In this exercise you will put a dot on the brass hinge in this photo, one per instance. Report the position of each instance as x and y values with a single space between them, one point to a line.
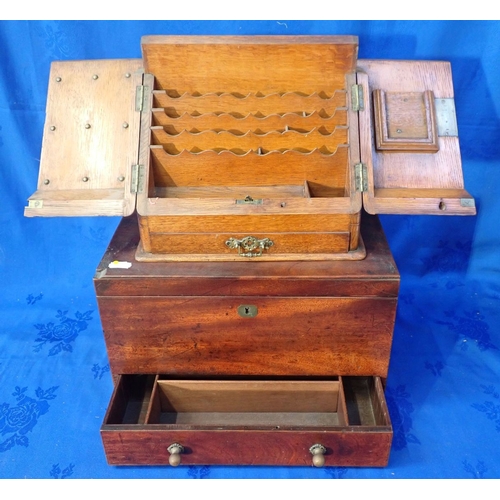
357 98
141 97
446 117
137 179
361 177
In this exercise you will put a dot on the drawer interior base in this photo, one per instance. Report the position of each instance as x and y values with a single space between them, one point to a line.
278 419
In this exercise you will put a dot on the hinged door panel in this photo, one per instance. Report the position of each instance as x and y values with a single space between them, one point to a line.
90 141
409 139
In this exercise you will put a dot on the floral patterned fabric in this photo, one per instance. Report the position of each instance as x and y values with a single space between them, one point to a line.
443 388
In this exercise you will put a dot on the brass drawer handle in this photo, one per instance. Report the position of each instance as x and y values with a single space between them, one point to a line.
249 246
175 451
318 452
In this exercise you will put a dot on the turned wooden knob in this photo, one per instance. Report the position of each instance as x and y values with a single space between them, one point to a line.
175 451
318 452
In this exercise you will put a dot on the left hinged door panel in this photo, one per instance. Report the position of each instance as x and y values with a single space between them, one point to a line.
90 140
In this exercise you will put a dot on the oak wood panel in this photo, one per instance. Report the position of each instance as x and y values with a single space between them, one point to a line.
441 170
405 121
249 64
86 146
409 76
412 170
355 220
287 205
239 193
291 167
271 223
250 104
421 193
69 203
144 256
241 144
225 121
245 40
289 336
419 171
291 242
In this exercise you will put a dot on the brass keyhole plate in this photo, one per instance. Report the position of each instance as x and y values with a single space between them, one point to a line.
247 311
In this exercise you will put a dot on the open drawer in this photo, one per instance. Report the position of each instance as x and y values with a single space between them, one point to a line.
155 420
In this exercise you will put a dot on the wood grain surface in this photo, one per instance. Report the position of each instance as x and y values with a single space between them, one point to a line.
347 447
289 336
392 172
244 64
256 105
90 139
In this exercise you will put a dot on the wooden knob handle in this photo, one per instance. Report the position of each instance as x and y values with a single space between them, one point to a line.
175 451
318 452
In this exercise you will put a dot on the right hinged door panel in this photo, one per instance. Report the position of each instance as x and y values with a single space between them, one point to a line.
409 139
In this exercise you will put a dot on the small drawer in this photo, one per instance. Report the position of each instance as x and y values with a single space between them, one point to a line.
156 420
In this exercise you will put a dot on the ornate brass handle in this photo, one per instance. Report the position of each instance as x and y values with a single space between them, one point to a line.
249 246
318 452
175 451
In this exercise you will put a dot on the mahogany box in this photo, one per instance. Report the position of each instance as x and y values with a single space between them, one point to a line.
248 362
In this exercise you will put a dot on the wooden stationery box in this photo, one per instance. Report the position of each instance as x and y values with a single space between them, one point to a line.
248 362
248 318
241 148
247 300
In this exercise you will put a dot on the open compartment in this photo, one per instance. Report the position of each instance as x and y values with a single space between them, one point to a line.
248 403
346 416
268 143
131 400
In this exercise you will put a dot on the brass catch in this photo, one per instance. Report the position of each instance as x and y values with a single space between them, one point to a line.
249 201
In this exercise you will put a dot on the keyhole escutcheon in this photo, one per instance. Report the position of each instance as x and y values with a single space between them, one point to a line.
247 311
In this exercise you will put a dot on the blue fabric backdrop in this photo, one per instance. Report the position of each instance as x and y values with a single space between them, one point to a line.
444 386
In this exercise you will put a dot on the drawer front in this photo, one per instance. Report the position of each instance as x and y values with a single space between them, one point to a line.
250 236
250 422
347 447
248 335
252 245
